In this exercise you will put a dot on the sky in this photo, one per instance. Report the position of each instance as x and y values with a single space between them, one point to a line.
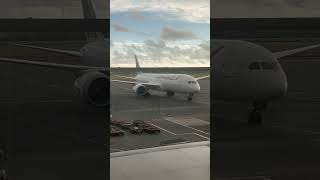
171 33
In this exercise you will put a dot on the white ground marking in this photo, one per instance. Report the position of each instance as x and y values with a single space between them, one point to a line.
152 109
191 121
163 129
173 120
170 132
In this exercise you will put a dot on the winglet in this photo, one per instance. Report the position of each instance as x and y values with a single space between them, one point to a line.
137 64
294 51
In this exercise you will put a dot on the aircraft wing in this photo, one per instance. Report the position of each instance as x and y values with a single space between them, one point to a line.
187 161
52 65
72 53
294 51
202 77
148 85
125 77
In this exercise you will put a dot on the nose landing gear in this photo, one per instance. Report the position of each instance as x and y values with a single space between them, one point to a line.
254 114
170 93
190 96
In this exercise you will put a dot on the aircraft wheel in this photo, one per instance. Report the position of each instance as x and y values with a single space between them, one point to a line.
261 106
255 117
170 93
147 94
189 98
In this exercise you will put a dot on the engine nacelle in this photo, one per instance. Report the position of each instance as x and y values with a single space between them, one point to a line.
140 89
93 88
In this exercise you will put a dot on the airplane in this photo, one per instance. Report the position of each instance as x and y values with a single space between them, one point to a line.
92 82
247 72
170 83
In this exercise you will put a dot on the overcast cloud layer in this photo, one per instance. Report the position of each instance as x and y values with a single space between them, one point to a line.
161 54
172 33
195 11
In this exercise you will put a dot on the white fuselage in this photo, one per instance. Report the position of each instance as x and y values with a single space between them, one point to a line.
181 83
245 71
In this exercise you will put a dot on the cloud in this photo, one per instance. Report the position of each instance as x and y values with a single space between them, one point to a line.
187 10
136 14
160 54
171 34
120 28
124 29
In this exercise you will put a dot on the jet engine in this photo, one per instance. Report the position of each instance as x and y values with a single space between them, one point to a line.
93 88
140 89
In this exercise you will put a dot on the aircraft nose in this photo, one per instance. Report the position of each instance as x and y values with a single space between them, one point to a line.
282 85
197 88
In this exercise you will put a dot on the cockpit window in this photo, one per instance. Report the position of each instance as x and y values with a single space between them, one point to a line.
263 65
267 65
192 82
254 66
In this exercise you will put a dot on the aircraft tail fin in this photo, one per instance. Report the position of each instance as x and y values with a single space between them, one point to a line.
137 64
89 12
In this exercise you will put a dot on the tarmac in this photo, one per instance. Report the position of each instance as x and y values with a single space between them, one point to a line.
179 120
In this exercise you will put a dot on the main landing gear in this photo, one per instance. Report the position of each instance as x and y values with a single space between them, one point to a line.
254 113
170 93
147 94
190 96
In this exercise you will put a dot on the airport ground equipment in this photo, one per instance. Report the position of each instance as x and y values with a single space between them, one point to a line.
115 122
122 124
115 131
146 127
136 130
